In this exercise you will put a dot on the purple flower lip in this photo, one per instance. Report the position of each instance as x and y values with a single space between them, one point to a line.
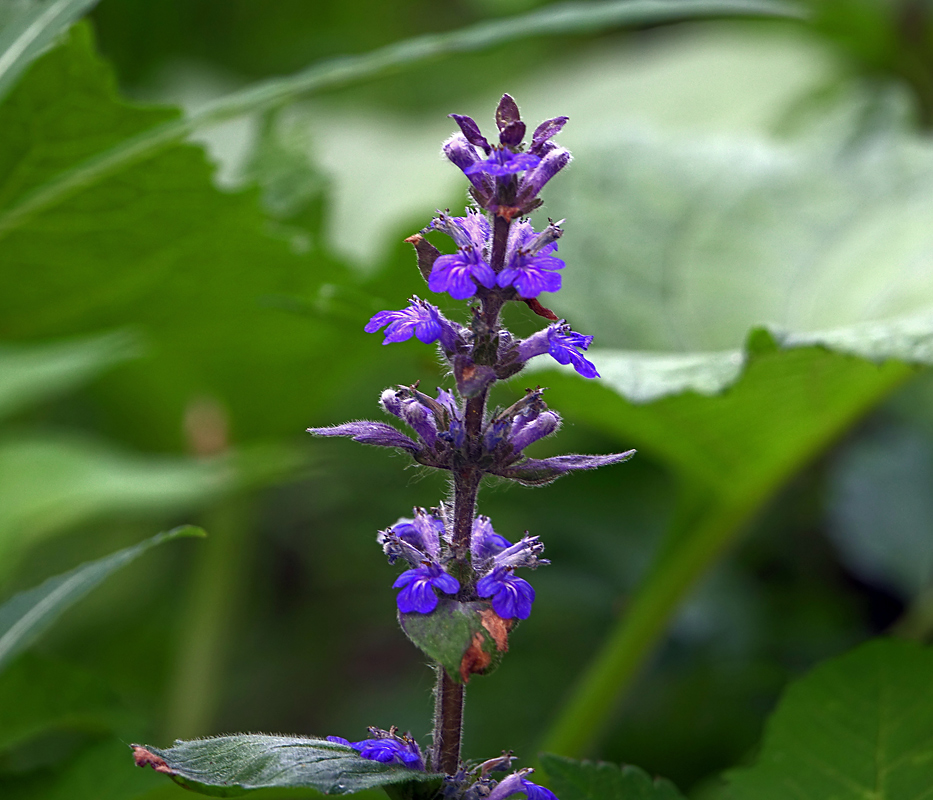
420 319
503 162
459 273
564 346
517 783
418 587
511 596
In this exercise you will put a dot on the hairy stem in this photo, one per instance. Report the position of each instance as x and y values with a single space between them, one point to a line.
449 695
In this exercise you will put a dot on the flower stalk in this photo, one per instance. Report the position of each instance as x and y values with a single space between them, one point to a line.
460 598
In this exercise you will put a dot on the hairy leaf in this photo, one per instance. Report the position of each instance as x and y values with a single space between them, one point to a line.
230 765
26 615
858 726
585 780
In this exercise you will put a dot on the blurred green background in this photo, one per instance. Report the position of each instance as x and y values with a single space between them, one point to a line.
205 304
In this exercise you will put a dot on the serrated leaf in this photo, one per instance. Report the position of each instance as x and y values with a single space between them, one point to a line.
826 246
586 780
230 765
35 27
25 616
859 726
823 245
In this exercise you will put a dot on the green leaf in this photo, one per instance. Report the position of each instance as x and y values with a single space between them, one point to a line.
35 372
51 482
556 20
230 765
459 636
80 701
27 35
585 780
859 726
96 772
716 239
25 616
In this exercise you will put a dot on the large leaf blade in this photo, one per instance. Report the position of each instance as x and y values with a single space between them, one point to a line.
26 615
230 765
858 726
553 20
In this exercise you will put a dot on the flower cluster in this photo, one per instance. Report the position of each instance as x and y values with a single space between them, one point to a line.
426 544
459 596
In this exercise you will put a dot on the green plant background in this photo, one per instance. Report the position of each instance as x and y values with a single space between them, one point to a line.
748 236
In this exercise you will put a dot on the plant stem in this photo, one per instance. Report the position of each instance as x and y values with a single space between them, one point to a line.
449 695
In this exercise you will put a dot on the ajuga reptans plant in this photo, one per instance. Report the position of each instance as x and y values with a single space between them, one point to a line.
460 594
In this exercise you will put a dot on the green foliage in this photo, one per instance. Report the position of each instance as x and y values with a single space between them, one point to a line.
584 780
858 726
34 373
679 249
231 765
26 616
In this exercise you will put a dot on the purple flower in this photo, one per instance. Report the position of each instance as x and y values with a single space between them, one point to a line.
529 263
523 553
531 274
484 541
511 596
526 431
471 230
503 161
563 345
370 433
386 749
423 532
540 144
463 154
418 587
517 783
533 181
455 273
420 319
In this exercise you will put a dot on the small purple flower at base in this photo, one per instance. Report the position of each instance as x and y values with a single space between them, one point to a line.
517 783
386 750
418 587
511 596
455 273
420 319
